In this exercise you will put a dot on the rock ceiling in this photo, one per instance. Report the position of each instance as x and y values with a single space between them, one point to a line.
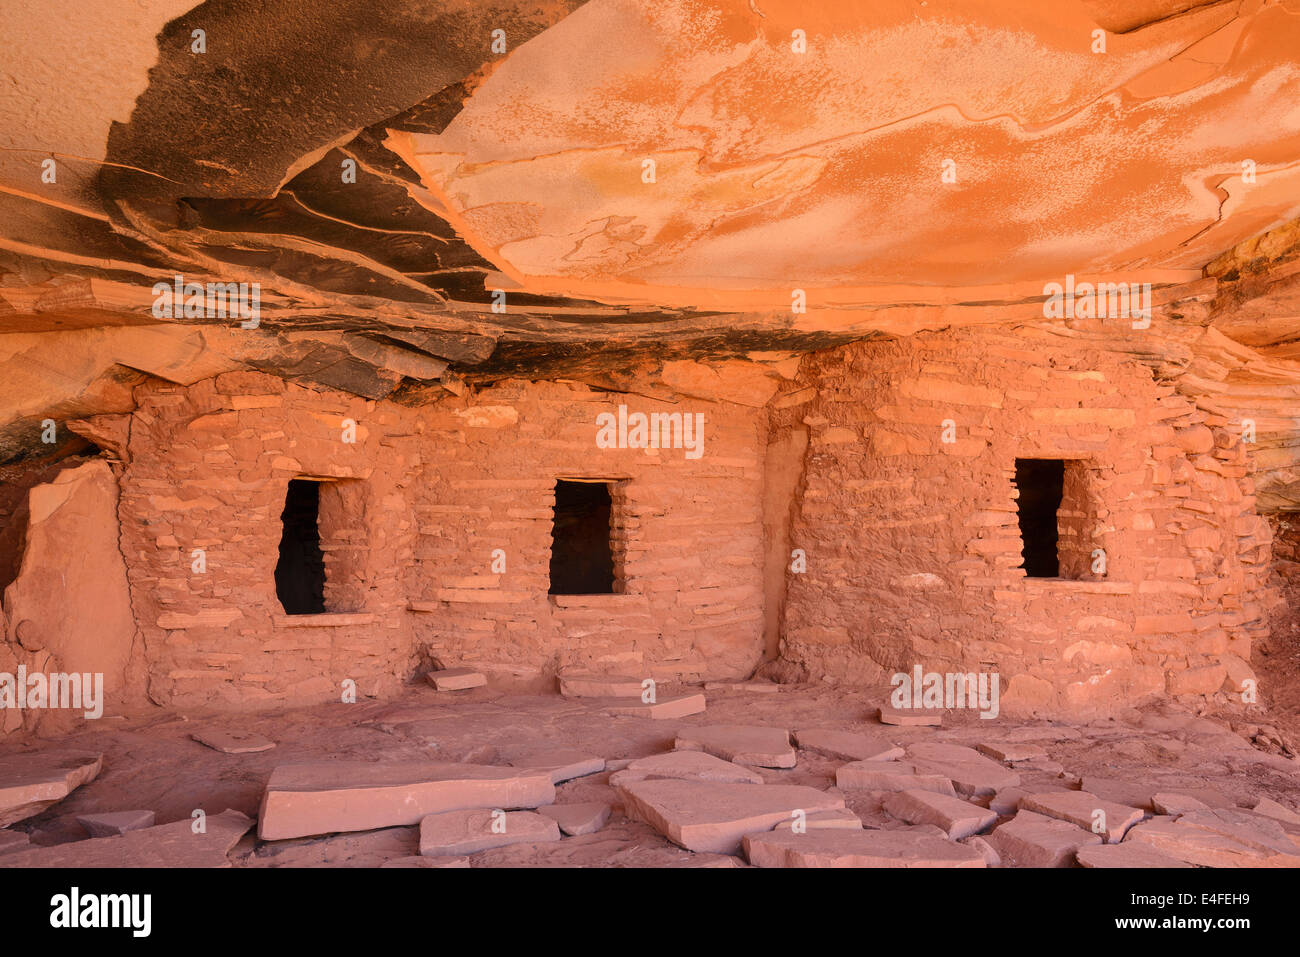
646 184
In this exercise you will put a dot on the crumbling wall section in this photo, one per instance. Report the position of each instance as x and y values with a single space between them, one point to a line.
908 518
421 500
1285 617
68 608
688 538
201 502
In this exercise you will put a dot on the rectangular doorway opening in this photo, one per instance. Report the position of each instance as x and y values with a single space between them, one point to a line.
300 572
1041 483
582 556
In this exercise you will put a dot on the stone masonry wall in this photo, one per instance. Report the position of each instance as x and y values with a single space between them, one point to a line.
426 495
1284 621
688 535
913 544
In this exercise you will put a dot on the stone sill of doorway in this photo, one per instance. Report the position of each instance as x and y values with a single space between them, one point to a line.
614 600
491 596
339 619
1079 586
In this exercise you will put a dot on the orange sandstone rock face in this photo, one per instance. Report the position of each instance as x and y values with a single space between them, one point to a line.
652 193
711 146
69 608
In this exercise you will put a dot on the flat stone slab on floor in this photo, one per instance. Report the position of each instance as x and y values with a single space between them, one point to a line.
578 819
944 751
1173 804
1132 793
456 679
600 686
456 833
753 687
840 819
562 765
841 848
955 817
1044 733
910 717
306 799
686 765
1055 768
680 706
1006 802
1261 827
166 845
743 744
1141 793
418 861
1270 808
890 776
29 783
991 857
116 822
1012 752
1086 811
1127 854
1219 838
233 742
1034 840
711 816
847 746
1210 797
13 841
709 860
972 774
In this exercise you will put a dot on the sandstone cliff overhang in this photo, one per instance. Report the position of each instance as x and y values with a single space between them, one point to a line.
429 195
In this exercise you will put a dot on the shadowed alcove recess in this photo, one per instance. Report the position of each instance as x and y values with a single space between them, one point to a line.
323 547
1040 483
582 559
1057 514
300 573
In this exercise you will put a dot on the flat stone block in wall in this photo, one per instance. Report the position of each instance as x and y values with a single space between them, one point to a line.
205 618
1206 679
328 620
